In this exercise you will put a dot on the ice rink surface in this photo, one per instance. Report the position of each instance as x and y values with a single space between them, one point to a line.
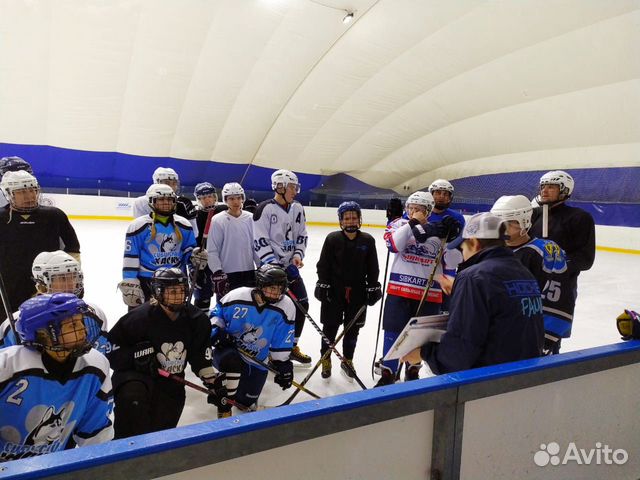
603 292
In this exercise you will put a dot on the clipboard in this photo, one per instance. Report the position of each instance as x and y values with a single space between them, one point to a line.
417 332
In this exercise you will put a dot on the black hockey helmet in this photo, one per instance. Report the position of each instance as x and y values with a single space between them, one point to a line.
271 275
13 164
166 277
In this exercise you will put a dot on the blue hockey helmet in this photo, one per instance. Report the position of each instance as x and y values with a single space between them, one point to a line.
41 320
13 164
204 188
349 207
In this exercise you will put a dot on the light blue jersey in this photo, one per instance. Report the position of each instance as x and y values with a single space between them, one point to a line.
149 246
264 331
38 413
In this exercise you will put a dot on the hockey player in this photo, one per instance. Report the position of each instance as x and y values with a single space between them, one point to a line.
57 272
184 206
280 237
54 389
417 245
253 323
165 333
347 279
207 198
160 239
230 244
12 164
442 192
496 309
28 229
548 264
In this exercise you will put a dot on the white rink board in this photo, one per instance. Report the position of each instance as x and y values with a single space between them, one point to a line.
391 450
502 433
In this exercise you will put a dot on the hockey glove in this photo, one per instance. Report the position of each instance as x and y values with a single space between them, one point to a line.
323 292
220 284
284 377
422 231
217 389
221 339
132 294
199 258
144 359
395 209
374 293
628 324
293 272
189 209
452 228
551 345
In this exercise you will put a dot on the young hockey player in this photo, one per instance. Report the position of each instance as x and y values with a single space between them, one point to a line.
184 206
160 239
417 245
230 244
165 333
253 323
207 198
280 237
54 389
347 279
28 229
547 262
12 164
442 192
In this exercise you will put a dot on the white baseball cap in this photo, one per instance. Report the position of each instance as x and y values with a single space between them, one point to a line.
483 225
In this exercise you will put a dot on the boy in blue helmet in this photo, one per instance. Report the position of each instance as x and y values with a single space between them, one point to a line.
347 279
54 388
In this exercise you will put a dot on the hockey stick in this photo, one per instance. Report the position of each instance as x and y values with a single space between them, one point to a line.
184 381
375 350
7 309
326 340
203 244
266 366
326 354
427 287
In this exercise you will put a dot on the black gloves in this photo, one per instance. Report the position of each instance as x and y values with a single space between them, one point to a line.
221 339
374 293
323 292
144 359
395 209
451 228
551 345
217 389
284 377
448 228
220 283
628 324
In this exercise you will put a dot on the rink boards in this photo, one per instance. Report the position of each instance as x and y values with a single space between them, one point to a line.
494 422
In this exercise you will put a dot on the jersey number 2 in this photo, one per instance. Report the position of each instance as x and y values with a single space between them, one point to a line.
22 386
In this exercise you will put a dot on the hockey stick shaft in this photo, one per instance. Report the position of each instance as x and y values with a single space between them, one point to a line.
184 381
250 357
326 354
427 287
7 309
384 286
326 339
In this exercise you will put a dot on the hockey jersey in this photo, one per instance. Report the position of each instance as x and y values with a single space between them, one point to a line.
548 263
230 243
184 208
260 331
40 411
144 254
279 233
414 262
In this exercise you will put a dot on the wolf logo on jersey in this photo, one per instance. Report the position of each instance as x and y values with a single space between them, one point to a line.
48 430
172 357
165 250
251 338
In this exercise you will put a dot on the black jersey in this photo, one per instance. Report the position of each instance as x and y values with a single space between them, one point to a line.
201 220
573 229
348 263
22 237
176 342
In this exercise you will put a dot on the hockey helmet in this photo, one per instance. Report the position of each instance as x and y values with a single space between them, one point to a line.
13 164
230 189
165 277
421 198
514 207
159 190
268 276
560 178
13 182
57 272
283 178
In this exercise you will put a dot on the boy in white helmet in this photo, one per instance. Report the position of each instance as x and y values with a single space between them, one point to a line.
417 244
28 229
280 238
184 206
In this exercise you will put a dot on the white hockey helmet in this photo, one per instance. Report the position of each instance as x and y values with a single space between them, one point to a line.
162 173
20 180
158 190
49 265
441 184
232 188
421 198
560 178
514 207
284 178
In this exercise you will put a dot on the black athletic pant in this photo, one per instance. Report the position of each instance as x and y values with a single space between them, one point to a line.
297 287
143 406
332 316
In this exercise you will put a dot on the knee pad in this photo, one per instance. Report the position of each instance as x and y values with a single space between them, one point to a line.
230 361
133 393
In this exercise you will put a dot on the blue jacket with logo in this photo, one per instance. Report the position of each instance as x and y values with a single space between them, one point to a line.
495 315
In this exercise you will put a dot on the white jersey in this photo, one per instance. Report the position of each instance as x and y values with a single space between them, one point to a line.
279 234
230 243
